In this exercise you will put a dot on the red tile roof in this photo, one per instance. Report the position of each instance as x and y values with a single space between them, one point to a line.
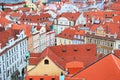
63 54
109 27
108 68
117 52
15 14
4 21
7 35
24 9
70 16
42 17
115 6
74 64
26 28
68 33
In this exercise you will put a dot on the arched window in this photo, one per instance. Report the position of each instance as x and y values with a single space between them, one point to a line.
46 61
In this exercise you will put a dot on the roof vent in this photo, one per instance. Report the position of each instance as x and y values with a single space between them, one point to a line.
75 50
88 49
63 50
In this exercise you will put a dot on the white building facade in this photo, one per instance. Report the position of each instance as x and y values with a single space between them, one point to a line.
12 57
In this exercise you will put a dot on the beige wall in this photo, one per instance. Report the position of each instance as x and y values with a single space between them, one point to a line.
61 41
30 43
49 69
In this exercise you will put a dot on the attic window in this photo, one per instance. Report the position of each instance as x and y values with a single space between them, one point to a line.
88 49
46 61
30 79
41 79
105 15
84 25
112 14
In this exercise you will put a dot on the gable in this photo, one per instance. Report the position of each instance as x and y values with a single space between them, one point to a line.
105 69
45 69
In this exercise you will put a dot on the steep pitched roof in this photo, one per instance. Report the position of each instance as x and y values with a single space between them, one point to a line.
117 52
4 21
107 68
15 14
7 35
68 33
63 54
70 16
109 27
26 28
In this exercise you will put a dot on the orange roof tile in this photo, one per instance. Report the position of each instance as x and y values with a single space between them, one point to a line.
108 68
63 54
70 16
24 9
68 33
26 28
74 64
4 21
42 17
7 35
117 52
15 14
80 32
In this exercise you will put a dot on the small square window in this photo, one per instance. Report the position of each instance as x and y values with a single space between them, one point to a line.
30 79
41 79
53 79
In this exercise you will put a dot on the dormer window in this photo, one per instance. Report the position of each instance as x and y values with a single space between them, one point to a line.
113 15
46 61
88 49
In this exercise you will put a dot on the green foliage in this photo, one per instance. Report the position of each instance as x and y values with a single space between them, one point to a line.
25 5
3 7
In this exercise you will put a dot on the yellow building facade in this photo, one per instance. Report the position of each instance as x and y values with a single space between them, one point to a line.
104 42
63 41
45 67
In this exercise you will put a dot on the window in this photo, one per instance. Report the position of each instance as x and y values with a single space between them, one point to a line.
53 79
46 61
30 79
64 41
41 79
0 70
111 45
118 46
82 37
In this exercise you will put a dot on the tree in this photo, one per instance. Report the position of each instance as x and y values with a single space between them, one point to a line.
3 7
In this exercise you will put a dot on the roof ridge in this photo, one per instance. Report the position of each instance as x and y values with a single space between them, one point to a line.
57 57
118 66
90 65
